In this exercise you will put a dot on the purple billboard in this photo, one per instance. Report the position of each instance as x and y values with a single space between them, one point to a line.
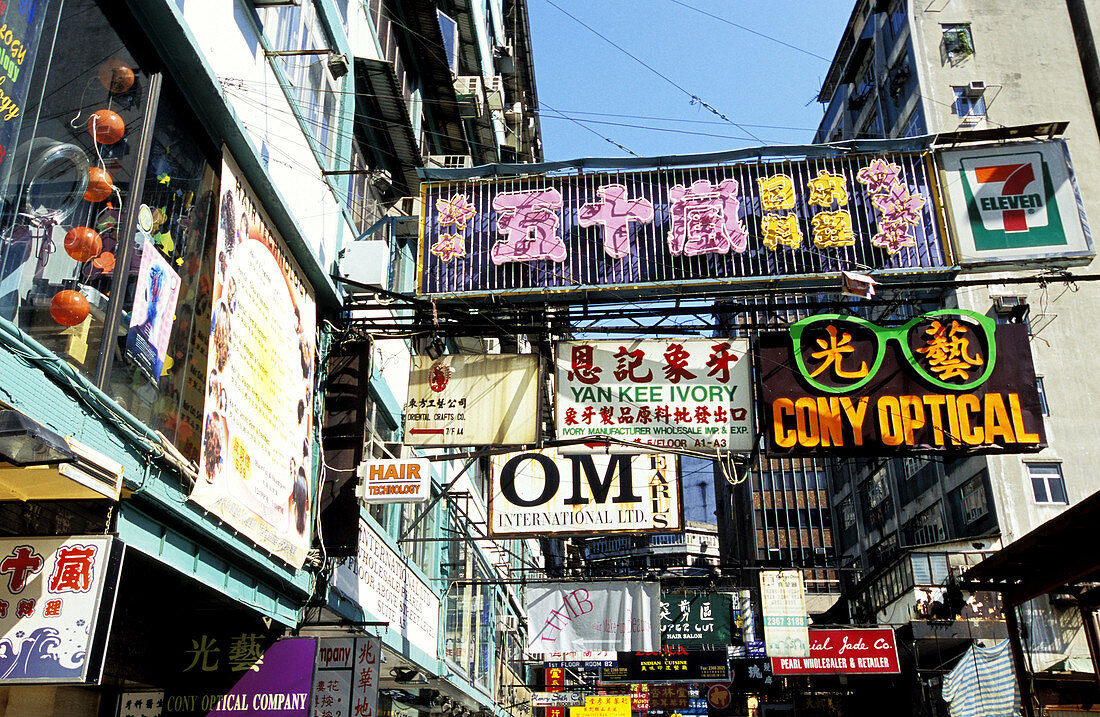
636 230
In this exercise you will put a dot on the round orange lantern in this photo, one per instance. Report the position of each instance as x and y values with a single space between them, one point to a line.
100 185
115 75
83 243
106 127
105 262
69 307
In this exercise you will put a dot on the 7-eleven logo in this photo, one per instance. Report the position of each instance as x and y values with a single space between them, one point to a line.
1009 195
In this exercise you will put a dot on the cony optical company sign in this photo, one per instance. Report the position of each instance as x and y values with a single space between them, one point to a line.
949 380
1015 202
732 222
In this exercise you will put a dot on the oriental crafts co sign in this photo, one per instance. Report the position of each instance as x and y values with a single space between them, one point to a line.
734 222
950 380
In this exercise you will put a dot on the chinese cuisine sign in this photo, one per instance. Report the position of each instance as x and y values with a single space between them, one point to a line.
611 615
844 652
51 594
257 455
472 400
542 493
746 222
949 380
694 393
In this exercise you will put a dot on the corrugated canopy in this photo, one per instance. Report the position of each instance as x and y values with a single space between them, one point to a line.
1058 553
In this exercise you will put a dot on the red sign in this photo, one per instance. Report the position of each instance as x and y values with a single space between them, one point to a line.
555 682
848 652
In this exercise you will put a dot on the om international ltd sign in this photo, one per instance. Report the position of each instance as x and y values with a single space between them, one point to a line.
542 492
949 380
1013 203
670 393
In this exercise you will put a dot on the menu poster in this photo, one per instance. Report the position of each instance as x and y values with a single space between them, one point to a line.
256 462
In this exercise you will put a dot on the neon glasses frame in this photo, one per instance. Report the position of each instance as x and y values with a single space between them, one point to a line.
900 334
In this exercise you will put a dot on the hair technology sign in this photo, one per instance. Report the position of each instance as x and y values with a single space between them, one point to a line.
733 222
540 493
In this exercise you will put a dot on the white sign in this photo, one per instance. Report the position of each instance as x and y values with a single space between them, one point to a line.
1014 203
50 601
556 699
389 590
398 481
472 400
668 393
786 628
345 676
572 617
540 493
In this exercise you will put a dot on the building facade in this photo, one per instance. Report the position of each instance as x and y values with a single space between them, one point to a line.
907 69
183 394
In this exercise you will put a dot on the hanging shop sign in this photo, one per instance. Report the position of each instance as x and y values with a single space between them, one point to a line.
606 706
634 231
949 380
585 658
555 682
697 619
692 393
256 462
57 598
245 675
1015 204
613 615
556 699
844 652
472 400
346 675
668 665
784 607
388 590
23 24
408 480
543 493
669 697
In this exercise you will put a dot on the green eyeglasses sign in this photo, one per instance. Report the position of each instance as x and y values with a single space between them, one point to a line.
939 382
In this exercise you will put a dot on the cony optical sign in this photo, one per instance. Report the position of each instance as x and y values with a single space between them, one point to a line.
949 380
733 222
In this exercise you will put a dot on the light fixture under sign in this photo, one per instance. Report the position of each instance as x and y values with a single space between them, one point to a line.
25 442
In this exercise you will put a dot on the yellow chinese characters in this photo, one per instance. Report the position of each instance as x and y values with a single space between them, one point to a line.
781 229
947 351
827 188
776 192
833 229
832 352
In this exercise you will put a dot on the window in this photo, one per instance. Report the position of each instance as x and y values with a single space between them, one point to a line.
1047 482
1043 406
958 43
915 126
974 499
968 104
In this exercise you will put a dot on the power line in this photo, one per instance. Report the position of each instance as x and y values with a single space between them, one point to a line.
695 99
750 30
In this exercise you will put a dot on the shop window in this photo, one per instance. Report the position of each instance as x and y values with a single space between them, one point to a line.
1047 482
67 172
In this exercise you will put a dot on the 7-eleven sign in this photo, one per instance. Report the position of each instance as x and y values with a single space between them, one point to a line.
1011 201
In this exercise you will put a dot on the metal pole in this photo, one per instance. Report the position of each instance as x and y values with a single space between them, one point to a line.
1023 677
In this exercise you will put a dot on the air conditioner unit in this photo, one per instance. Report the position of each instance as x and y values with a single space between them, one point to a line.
494 93
449 161
366 262
975 89
1005 304
510 623
471 95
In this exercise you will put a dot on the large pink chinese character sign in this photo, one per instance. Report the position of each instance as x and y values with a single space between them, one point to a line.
704 219
615 212
529 222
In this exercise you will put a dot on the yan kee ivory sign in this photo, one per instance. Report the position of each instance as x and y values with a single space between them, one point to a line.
669 393
541 492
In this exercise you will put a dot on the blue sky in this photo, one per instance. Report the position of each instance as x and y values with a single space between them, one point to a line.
765 89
